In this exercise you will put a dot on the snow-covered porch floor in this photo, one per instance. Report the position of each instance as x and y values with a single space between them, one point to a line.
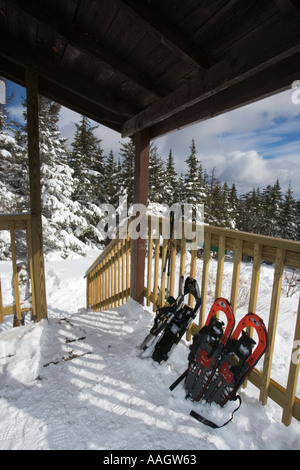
75 381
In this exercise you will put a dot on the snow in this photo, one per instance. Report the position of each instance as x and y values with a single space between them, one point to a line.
75 381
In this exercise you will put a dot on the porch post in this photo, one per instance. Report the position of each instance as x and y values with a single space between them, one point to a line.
38 274
140 196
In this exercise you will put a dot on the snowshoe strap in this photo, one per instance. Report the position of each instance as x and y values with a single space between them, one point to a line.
211 424
177 381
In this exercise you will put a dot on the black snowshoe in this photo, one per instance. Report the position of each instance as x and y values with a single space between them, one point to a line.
172 321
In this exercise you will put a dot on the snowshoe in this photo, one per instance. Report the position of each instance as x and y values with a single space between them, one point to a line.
172 321
181 321
164 315
206 349
237 361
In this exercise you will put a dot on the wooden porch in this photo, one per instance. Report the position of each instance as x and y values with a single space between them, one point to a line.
108 286
146 69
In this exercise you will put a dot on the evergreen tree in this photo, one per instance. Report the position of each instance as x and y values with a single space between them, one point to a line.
191 179
86 160
289 219
112 178
156 177
127 152
65 222
272 203
170 183
233 207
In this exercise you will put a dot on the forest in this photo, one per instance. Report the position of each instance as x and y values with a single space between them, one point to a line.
78 178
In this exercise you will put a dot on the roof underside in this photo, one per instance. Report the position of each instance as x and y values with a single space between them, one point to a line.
158 64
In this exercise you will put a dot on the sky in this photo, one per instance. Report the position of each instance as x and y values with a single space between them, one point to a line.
252 146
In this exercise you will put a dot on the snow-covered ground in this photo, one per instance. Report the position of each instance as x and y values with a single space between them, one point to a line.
75 381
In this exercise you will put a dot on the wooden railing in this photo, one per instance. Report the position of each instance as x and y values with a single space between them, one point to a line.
108 278
108 284
13 222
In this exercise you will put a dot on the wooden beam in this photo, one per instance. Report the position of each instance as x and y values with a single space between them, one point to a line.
35 195
140 196
244 60
266 83
168 34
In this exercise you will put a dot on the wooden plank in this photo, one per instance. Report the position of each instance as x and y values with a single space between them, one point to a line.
206 258
257 259
236 274
35 195
156 270
221 259
150 254
15 270
290 396
277 282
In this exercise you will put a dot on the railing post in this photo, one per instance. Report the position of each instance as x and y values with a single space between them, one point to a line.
140 196
35 195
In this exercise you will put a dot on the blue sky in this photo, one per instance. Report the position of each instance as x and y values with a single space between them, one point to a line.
251 146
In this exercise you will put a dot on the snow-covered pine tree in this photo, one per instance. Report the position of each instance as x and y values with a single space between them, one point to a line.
156 183
233 207
112 178
86 160
170 181
271 205
127 152
191 178
289 219
250 211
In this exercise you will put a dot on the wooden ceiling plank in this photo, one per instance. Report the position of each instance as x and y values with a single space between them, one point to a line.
37 11
20 54
168 34
244 60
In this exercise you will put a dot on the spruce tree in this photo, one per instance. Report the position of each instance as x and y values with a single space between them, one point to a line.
127 152
86 160
191 179
156 177
289 219
170 182
272 203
